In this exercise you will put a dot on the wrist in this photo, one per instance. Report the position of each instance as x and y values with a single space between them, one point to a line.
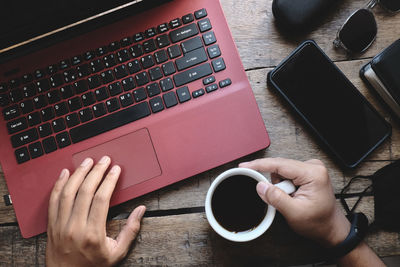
338 230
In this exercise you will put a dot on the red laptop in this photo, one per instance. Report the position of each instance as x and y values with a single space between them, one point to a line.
156 85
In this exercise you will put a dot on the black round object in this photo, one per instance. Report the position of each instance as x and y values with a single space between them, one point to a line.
359 31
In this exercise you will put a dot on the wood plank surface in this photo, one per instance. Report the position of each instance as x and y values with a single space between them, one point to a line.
187 239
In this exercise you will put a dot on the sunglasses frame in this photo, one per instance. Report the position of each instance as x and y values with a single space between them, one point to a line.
369 6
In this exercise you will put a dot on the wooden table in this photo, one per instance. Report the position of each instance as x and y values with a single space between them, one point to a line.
175 230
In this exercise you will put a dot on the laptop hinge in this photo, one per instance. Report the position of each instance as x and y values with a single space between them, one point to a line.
7 200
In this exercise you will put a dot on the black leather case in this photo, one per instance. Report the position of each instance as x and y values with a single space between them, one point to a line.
300 15
387 67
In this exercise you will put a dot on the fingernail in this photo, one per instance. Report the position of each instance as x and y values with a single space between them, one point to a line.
243 163
86 162
141 212
262 188
115 169
63 173
104 160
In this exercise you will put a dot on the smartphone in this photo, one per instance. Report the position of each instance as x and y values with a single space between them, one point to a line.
329 104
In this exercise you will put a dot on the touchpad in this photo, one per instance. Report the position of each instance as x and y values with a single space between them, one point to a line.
135 154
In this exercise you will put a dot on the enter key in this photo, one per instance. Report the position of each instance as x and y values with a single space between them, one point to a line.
191 59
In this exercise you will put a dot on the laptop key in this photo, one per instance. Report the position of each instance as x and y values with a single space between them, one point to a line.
123 55
26 106
39 101
168 68
187 18
76 60
29 90
170 99
147 61
128 84
204 25
153 89
166 84
183 33
35 150
134 66
113 46
49 145
120 72
3 87
99 110
69 75
14 83
213 51
26 78
44 130
96 65
115 89
218 64
150 32
83 70
139 94
11 112
191 59
126 41
72 120
89 55
112 104
85 114
47 114
175 23
17 125
56 80
53 96
94 81
4 100
138 37
24 138
101 51
61 109
200 13
88 99
43 85
58 125
109 122
101 93
74 103
161 56
225 83
155 73
191 44
208 80
16 95
174 51
126 99
63 140
81 86
211 88
192 74
183 94
22 155
67 91
107 76
162 28
39 74
198 93
34 119
209 38
156 104
162 41
64 64
109 61
136 50
142 78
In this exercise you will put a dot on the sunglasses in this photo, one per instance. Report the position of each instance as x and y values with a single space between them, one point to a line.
360 29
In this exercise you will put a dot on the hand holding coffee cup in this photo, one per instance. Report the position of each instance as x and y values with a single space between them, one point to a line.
311 211
233 207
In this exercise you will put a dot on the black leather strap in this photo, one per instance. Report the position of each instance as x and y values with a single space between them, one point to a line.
359 227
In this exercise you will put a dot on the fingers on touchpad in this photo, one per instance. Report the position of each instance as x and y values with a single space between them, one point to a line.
135 154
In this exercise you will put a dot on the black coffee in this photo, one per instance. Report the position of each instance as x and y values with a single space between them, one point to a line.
236 205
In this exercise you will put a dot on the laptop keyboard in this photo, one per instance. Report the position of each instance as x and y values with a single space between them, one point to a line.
111 86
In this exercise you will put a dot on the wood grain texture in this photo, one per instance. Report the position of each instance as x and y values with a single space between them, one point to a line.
187 239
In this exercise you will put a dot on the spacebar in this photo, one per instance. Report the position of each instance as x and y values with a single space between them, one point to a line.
109 122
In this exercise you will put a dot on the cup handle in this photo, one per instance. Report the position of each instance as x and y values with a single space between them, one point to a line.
287 186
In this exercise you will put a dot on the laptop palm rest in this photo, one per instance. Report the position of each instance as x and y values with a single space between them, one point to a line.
137 159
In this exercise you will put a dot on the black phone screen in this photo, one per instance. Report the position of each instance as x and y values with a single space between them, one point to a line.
330 104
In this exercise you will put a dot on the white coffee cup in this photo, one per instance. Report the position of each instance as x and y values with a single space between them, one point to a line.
286 185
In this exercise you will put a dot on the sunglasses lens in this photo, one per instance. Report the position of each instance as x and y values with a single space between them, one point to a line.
359 31
392 5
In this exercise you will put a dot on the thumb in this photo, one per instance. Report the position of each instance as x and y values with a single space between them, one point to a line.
276 197
130 230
